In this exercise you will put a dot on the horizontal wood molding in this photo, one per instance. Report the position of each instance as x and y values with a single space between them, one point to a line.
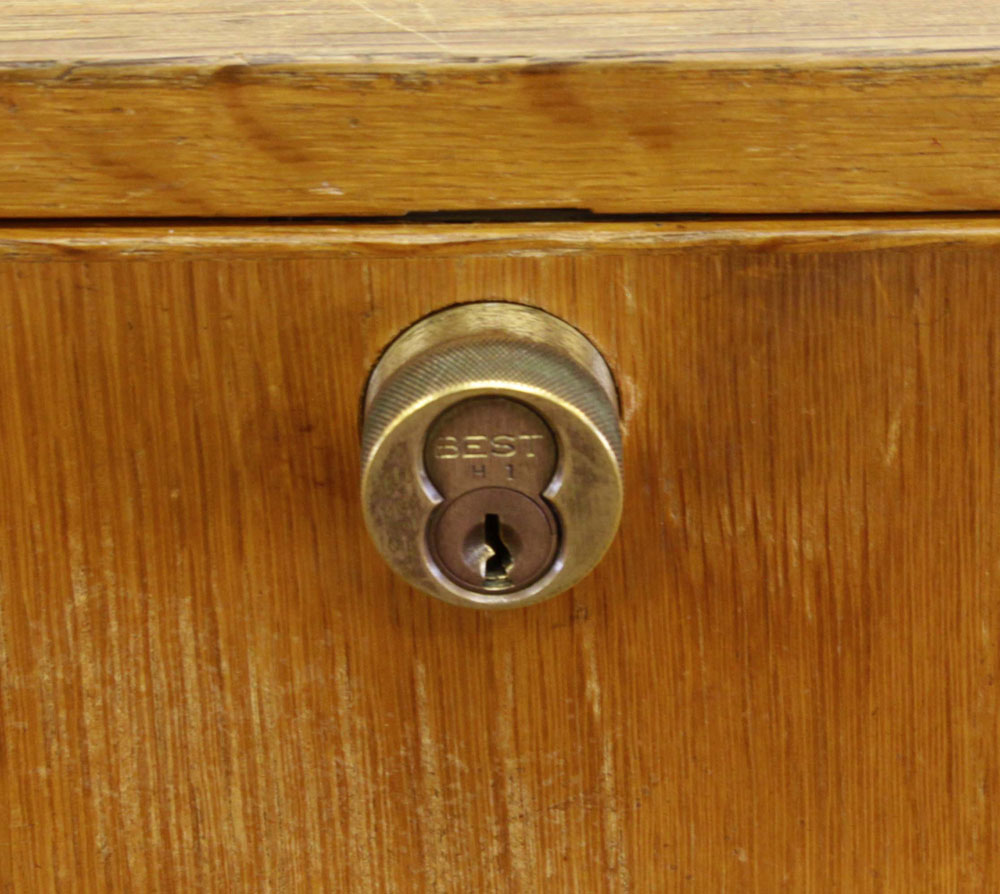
343 109
123 241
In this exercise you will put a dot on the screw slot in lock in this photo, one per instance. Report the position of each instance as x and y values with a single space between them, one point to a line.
491 466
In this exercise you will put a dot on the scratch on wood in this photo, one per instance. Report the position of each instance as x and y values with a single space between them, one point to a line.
616 868
360 797
519 803
397 24
434 825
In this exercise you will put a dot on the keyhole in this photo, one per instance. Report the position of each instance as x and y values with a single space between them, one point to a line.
498 564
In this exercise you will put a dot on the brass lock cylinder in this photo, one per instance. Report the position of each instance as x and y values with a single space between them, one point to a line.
491 455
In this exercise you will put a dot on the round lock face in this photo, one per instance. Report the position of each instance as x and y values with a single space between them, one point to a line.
491 467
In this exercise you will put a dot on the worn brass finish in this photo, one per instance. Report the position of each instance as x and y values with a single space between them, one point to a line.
552 381
491 459
526 527
518 450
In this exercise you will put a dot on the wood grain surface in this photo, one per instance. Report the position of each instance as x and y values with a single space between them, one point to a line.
400 30
248 109
783 677
68 241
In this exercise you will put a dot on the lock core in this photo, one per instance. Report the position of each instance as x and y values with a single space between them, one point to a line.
491 455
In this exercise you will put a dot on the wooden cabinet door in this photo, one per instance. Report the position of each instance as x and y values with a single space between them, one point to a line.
784 676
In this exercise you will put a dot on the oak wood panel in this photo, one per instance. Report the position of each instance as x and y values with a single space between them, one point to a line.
784 676
252 109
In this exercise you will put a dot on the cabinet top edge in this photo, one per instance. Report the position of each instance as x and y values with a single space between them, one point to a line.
157 32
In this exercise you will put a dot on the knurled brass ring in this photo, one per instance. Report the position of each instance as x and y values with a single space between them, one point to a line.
495 349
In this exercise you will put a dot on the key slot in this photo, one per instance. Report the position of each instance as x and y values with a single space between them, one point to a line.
497 565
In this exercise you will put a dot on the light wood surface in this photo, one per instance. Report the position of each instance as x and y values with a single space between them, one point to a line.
71 242
784 676
488 30
248 109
